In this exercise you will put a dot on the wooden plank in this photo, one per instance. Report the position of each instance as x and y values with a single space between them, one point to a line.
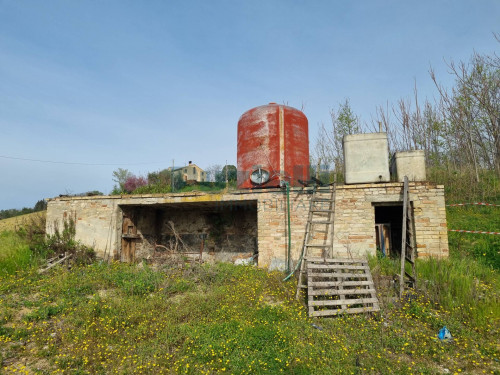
374 294
335 292
338 266
337 260
344 275
333 275
403 239
346 302
339 283
66 257
131 236
333 312
310 308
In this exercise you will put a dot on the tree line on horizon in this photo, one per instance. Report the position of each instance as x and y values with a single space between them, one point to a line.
12 212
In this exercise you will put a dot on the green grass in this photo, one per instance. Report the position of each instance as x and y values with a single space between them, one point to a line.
15 254
484 247
468 287
211 319
118 318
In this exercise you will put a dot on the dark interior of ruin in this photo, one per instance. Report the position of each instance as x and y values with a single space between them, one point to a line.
388 226
223 230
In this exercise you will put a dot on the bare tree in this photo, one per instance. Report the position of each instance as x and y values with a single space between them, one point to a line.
411 125
473 109
212 172
328 146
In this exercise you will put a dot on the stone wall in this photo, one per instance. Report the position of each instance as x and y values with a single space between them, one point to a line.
99 219
355 217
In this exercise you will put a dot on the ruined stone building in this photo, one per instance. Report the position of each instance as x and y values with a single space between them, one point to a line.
265 218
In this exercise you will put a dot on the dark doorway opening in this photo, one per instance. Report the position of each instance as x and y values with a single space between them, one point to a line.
388 228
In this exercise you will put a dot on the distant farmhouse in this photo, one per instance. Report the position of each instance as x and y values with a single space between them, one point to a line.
191 172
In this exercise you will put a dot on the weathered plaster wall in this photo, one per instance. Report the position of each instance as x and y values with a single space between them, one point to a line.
99 219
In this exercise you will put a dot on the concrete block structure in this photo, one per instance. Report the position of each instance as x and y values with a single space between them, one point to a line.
366 158
411 164
246 223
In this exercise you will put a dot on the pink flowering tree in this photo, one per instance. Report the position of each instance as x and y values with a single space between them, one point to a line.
133 182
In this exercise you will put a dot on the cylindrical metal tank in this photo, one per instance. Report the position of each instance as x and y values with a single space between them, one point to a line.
273 146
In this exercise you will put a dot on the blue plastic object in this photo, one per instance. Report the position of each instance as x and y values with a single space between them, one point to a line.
444 334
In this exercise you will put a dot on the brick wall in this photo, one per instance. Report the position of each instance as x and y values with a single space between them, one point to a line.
99 219
355 217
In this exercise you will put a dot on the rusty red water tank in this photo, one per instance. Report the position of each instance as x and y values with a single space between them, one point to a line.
273 146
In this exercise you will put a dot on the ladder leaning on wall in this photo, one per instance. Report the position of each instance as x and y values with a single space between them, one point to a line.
334 285
408 276
319 221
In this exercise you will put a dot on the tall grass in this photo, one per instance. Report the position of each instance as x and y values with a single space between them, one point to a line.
461 284
461 185
15 254
483 247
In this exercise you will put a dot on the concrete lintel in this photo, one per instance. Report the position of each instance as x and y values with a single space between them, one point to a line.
384 198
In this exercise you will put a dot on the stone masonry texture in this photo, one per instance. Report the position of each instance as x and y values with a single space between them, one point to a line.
99 219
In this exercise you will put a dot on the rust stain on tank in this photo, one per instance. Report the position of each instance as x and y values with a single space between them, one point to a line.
275 138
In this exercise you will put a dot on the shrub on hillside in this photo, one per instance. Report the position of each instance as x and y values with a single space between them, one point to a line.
62 241
134 182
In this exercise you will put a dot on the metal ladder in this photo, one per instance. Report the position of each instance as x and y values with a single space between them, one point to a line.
408 276
319 221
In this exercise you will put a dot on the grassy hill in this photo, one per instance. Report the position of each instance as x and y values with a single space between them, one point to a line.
12 223
118 318
211 319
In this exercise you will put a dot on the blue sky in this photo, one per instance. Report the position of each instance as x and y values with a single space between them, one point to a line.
135 84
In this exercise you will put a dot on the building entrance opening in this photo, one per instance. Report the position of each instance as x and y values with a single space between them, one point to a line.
208 231
388 228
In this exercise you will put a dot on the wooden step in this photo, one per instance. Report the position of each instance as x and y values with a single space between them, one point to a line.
336 260
344 275
334 266
340 283
346 302
333 312
336 292
409 260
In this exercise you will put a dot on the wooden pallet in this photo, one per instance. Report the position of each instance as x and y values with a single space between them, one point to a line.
339 286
